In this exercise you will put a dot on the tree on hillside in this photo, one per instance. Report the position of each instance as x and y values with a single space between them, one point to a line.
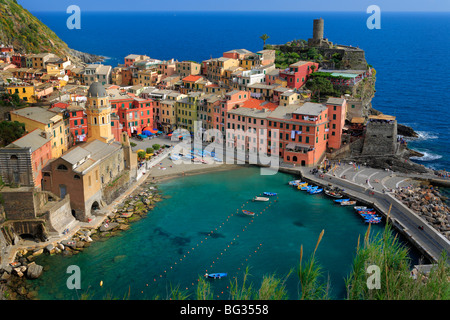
320 85
264 37
10 131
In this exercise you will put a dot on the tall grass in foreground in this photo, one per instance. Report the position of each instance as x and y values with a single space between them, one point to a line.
310 275
385 251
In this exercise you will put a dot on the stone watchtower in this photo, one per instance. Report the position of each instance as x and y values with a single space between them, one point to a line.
318 40
318 27
381 136
98 112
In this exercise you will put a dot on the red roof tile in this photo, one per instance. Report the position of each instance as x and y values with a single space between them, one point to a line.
192 78
255 103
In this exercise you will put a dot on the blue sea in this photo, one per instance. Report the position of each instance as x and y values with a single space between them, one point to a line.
409 53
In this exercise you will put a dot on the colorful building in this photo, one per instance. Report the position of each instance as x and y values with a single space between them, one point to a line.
22 161
98 112
186 110
298 73
39 118
247 126
26 92
187 68
233 99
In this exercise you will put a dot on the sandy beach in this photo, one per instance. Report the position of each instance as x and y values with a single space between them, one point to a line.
167 169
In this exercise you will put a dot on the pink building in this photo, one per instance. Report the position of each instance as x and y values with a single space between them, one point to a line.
233 99
337 109
298 73
247 126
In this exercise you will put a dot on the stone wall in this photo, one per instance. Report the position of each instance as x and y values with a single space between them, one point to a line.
19 203
60 216
116 187
380 139
15 166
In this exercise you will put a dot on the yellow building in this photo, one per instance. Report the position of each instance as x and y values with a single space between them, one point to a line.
186 110
26 92
39 118
249 62
187 68
216 68
98 110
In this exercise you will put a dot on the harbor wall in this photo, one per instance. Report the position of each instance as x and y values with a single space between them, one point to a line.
404 219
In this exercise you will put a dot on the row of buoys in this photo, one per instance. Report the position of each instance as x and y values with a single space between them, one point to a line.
193 248
163 275
245 261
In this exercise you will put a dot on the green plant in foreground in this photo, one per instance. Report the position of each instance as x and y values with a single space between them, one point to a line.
385 251
310 274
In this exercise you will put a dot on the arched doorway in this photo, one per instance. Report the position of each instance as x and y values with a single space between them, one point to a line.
95 207
27 236
294 158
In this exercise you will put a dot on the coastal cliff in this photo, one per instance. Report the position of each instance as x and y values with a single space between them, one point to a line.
27 34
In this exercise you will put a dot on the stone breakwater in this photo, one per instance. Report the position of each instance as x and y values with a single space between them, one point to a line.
13 284
427 202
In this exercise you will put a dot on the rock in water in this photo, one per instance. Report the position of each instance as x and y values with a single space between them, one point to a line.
406 131
34 270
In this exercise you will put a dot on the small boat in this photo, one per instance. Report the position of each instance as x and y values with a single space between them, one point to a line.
304 188
348 203
314 191
295 182
215 275
269 194
260 199
366 212
341 200
359 208
307 187
372 221
333 194
249 213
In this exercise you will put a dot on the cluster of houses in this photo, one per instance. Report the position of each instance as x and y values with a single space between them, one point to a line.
241 90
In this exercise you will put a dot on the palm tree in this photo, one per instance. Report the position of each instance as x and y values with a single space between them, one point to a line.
264 37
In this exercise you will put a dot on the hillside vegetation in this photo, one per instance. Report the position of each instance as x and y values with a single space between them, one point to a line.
27 34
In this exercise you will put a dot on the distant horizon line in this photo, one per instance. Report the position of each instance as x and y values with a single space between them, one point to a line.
244 11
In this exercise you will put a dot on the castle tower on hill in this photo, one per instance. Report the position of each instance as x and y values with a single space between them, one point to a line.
98 112
318 40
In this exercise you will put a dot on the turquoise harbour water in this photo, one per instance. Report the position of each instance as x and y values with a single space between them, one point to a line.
268 243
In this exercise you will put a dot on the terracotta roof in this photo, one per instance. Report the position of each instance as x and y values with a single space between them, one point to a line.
258 104
192 78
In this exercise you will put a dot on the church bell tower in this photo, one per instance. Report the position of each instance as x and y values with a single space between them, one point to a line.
98 112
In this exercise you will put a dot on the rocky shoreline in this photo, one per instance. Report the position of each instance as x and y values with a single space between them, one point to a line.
429 204
85 58
13 278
